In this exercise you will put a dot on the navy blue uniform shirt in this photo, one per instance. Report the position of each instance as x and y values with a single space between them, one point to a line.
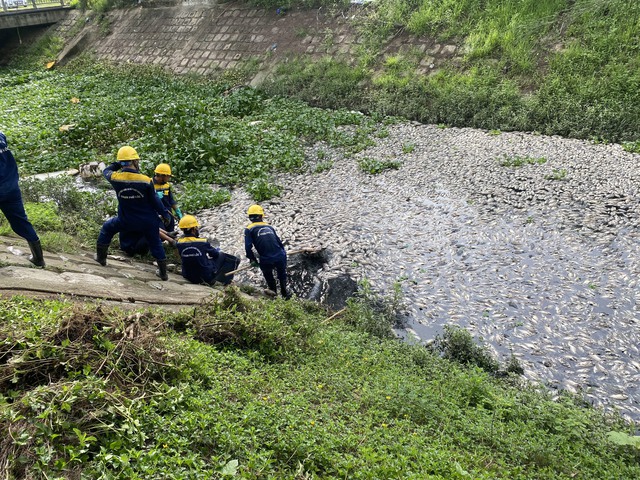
138 204
263 237
198 259
8 168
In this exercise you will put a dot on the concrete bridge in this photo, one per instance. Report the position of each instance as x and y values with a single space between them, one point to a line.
27 13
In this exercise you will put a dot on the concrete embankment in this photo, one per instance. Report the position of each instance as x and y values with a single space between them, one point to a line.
78 276
206 39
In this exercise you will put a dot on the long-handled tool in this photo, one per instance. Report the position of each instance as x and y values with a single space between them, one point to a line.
292 252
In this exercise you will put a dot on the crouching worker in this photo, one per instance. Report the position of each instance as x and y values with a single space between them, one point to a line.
11 203
134 243
263 238
201 262
138 209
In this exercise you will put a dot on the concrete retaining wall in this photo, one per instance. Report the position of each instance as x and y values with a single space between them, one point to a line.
204 39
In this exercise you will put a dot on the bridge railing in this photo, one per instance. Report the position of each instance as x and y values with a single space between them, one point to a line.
7 6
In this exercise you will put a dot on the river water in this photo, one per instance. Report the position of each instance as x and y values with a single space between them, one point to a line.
539 260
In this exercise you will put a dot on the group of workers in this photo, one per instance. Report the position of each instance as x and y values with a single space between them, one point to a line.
147 212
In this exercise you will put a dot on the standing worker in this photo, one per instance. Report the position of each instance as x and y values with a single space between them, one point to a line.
201 261
161 177
11 203
263 238
138 208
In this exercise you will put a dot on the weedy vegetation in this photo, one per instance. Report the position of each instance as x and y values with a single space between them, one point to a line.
274 389
517 161
211 131
374 166
283 389
557 174
525 65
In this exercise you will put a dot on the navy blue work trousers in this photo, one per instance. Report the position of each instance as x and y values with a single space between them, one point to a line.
115 225
13 208
267 271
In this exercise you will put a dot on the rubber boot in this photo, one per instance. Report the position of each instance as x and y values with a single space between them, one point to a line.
162 270
271 288
285 293
36 254
101 254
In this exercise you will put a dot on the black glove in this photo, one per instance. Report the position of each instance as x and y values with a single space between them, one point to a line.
254 263
115 166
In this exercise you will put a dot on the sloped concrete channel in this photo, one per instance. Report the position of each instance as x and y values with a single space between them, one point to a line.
541 259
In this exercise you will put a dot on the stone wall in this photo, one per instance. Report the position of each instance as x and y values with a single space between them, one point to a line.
204 39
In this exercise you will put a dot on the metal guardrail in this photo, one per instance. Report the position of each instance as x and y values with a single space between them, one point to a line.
8 6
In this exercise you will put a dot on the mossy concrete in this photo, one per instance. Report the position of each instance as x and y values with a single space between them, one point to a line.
78 276
207 39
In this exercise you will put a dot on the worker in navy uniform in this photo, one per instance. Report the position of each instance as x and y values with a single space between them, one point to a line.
132 243
138 208
11 203
262 236
135 243
161 177
201 261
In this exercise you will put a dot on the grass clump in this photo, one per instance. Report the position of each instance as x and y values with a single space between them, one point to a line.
323 166
374 166
518 161
456 344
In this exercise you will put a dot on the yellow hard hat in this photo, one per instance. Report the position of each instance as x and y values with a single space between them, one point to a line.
127 153
163 169
188 221
255 210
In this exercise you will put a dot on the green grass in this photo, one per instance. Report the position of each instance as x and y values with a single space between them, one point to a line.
552 66
206 130
374 166
272 390
521 161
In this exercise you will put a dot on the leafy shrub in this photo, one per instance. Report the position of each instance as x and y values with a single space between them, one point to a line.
241 102
278 329
196 196
261 189
456 344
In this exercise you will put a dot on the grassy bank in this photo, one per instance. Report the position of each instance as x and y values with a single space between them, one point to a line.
270 390
557 67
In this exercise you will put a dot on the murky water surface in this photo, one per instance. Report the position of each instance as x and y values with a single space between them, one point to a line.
541 261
